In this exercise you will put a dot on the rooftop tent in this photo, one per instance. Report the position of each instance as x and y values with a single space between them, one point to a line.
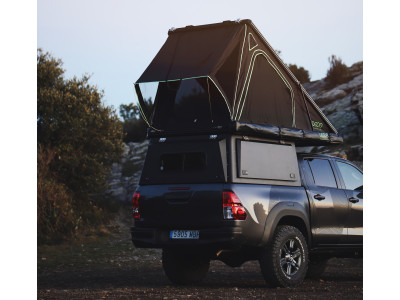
226 77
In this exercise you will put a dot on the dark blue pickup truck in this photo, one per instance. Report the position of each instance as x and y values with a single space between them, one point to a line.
236 198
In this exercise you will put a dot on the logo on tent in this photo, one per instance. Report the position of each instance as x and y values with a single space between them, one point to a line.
316 125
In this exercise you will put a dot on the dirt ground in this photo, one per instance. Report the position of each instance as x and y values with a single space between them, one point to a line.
105 265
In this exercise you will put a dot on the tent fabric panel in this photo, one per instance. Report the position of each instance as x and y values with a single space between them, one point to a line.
252 50
310 103
302 118
188 54
157 70
267 100
227 73
317 122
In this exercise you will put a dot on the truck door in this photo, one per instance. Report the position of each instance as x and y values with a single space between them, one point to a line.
328 203
352 180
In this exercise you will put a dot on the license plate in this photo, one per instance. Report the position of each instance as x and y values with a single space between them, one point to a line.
184 234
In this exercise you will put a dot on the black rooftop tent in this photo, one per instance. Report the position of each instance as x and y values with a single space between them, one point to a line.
225 77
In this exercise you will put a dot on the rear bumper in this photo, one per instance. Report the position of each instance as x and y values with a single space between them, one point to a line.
218 238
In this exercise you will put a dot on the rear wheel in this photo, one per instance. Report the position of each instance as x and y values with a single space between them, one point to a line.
284 263
184 268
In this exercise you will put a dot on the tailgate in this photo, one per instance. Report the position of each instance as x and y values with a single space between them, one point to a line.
191 206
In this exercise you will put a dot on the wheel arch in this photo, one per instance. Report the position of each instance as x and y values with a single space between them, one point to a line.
286 213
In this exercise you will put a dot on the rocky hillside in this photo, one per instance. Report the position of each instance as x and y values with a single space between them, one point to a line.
124 177
343 105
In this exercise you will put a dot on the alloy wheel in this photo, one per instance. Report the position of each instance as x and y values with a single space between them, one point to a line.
290 257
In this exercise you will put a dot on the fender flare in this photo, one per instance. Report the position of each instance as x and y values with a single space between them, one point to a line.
284 209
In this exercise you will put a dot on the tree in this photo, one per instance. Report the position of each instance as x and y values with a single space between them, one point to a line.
78 137
337 73
134 126
301 74
129 112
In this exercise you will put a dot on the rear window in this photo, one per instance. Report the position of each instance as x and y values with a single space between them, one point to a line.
182 162
322 172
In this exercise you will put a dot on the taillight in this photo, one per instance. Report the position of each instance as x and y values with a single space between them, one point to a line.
233 208
135 206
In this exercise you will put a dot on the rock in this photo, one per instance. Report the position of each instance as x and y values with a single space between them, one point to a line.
329 96
314 87
343 105
124 177
356 83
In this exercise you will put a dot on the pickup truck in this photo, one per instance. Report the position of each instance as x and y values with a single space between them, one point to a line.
236 198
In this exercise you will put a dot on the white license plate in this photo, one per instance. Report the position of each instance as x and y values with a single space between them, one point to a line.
184 234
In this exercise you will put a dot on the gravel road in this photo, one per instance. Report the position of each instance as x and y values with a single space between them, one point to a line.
105 265
343 279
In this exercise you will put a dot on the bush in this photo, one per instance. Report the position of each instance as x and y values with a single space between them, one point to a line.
78 140
301 74
134 126
338 72
134 130
56 216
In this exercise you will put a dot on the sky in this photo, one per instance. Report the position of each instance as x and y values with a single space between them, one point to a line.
114 41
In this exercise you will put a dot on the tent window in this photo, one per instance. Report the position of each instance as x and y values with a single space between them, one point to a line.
190 104
191 101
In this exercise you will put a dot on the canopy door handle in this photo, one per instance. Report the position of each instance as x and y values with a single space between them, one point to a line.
319 197
353 200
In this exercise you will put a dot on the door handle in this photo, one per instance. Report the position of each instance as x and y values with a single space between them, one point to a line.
319 197
353 200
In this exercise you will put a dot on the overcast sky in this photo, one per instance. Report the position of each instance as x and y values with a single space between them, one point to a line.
116 40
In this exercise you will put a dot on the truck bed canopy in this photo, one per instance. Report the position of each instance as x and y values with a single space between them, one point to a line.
226 77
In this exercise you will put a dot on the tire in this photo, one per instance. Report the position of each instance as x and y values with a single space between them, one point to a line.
184 268
284 262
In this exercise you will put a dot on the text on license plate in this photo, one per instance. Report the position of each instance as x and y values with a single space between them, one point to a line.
184 234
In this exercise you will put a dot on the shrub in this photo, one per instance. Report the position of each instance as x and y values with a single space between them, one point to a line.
338 72
134 126
78 140
56 215
301 74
